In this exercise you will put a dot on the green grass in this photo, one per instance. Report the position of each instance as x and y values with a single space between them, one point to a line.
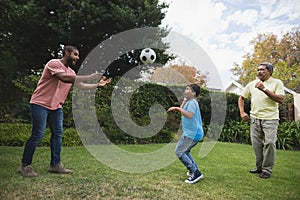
225 169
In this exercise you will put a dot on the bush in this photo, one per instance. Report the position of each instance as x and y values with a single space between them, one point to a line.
288 134
14 134
141 100
71 138
236 131
17 134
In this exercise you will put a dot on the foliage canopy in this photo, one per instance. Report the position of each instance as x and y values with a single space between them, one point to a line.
283 53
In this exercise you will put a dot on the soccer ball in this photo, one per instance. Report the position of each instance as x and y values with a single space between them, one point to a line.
148 56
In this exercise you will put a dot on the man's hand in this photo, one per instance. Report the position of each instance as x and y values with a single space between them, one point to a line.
96 76
245 117
103 81
259 85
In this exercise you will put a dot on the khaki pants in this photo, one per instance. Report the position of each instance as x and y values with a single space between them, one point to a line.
263 137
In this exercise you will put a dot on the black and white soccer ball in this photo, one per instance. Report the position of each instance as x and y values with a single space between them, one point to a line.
148 56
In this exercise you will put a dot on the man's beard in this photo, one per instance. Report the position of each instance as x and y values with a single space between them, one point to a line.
70 62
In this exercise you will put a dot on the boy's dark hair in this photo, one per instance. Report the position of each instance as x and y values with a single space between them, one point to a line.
195 88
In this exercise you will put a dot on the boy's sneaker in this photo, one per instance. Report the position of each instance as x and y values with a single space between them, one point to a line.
27 171
194 178
189 173
59 169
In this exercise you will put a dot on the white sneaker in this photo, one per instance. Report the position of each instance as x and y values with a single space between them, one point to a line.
197 176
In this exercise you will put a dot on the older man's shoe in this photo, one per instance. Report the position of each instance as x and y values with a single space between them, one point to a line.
265 175
255 171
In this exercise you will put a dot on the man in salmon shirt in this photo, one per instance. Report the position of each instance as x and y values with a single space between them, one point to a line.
46 107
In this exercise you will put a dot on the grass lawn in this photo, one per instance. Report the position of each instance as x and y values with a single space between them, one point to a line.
225 169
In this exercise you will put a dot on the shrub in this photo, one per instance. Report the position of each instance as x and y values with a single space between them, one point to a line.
141 100
236 131
288 135
17 134
14 134
71 138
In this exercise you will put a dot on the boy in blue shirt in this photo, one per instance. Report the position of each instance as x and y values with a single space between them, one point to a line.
192 131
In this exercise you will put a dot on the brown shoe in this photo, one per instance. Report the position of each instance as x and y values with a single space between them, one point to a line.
27 171
59 169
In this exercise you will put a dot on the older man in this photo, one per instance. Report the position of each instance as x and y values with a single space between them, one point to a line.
266 93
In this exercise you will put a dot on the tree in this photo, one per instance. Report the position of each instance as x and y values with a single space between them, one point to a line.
283 53
192 74
176 74
32 32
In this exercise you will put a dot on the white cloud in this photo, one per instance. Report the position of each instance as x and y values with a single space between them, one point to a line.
225 28
281 8
196 17
247 17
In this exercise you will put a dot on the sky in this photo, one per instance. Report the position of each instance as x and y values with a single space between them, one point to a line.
224 28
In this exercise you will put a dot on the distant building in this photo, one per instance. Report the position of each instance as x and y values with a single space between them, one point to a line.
234 87
214 89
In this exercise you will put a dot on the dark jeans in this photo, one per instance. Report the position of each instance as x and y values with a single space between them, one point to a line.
40 116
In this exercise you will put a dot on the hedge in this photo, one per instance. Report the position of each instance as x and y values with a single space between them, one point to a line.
216 108
16 134
142 99
288 136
